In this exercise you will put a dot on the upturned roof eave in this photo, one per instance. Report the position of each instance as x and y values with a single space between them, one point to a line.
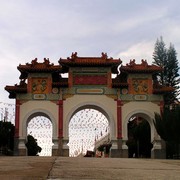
16 89
34 69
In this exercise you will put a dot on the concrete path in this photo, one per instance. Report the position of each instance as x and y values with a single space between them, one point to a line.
54 168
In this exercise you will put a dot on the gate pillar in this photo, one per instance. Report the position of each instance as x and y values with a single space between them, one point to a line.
65 148
62 147
19 143
159 149
55 147
22 150
119 119
119 148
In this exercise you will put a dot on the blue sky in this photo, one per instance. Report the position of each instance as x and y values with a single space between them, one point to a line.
125 29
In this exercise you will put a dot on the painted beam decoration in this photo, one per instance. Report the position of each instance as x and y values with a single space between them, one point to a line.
90 80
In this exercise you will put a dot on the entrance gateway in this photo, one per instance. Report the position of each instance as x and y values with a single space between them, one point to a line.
42 91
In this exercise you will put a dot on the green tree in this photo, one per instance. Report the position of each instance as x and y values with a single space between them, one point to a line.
7 130
172 75
160 59
167 59
167 126
32 146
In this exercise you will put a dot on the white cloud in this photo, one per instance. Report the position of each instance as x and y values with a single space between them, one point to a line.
140 19
139 51
54 29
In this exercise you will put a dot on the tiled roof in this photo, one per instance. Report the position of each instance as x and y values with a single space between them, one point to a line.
162 89
16 88
74 60
39 67
141 68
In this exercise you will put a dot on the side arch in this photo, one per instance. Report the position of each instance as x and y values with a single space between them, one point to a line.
144 114
90 105
39 112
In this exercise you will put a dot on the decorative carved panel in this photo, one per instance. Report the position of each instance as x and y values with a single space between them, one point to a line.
90 80
140 86
39 85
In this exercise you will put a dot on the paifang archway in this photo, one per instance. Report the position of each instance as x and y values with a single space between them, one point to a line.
89 83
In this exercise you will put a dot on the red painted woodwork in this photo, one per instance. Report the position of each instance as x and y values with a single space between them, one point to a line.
17 116
109 79
70 79
90 80
119 119
60 103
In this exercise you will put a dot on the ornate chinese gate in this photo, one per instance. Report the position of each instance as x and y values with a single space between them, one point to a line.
44 92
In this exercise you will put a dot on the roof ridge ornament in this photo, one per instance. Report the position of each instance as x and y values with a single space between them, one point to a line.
73 56
47 62
33 62
104 56
144 63
131 63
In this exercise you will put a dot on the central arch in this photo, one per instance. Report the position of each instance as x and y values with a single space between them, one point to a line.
91 105
87 128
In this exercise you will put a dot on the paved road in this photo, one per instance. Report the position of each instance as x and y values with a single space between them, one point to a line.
54 168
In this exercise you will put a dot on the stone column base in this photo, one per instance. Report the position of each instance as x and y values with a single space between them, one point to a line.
158 151
119 150
65 147
54 152
55 147
119 153
115 153
65 153
22 150
61 148
16 150
158 154
124 153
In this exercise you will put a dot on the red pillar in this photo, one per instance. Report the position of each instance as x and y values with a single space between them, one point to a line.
119 119
60 103
17 116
